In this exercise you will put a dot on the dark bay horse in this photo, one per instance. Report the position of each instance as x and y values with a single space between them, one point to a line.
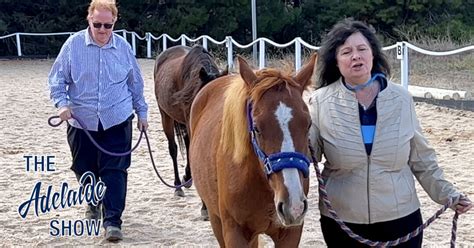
180 72
236 121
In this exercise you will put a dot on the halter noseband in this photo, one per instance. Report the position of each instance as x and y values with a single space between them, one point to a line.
277 161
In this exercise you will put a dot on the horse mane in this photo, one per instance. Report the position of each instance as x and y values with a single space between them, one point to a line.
235 137
198 57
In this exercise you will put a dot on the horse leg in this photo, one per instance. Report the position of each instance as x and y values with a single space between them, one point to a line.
287 237
234 235
217 228
168 128
187 176
204 212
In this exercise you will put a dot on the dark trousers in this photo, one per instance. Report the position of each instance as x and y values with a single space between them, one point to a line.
110 169
334 236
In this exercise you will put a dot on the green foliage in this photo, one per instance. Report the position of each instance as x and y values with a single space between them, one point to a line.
279 20
3 26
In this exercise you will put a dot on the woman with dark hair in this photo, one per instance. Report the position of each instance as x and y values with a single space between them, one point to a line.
367 129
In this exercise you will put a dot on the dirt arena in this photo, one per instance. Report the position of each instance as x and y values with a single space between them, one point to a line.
153 215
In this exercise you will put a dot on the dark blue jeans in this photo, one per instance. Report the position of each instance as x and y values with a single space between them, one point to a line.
334 236
110 169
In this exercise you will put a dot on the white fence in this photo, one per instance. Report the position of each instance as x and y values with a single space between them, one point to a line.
402 47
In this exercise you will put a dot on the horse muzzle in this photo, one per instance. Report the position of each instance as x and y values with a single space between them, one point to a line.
292 213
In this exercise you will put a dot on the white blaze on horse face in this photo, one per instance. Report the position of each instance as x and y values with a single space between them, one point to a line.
284 116
291 176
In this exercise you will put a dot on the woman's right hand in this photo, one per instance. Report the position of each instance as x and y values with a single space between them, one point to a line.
463 205
64 113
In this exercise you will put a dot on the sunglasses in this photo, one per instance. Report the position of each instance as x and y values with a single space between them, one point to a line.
98 25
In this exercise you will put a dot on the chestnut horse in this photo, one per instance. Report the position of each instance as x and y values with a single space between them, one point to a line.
236 121
180 72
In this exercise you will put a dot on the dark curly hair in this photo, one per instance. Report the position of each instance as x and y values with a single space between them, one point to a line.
328 72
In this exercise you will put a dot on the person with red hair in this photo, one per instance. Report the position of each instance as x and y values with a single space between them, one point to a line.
97 79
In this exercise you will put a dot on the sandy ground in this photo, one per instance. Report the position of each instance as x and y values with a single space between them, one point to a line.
154 216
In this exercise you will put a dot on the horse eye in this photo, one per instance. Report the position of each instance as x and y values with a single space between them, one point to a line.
309 126
255 129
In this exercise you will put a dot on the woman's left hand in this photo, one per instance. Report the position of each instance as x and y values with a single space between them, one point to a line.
463 205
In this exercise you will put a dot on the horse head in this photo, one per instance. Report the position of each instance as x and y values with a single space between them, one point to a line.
279 122
206 76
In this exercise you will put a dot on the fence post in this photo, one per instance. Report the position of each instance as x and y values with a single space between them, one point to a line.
164 43
402 55
297 54
204 42
230 58
183 40
261 60
18 44
148 44
134 44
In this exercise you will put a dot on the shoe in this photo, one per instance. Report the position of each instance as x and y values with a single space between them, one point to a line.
113 234
93 212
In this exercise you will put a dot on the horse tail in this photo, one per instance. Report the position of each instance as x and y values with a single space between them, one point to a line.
198 58
181 131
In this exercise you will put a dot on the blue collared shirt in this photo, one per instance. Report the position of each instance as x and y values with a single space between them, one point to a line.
97 83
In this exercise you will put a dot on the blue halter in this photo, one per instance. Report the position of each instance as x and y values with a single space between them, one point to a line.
277 161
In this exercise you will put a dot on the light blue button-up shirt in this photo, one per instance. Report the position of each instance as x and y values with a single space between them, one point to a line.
97 83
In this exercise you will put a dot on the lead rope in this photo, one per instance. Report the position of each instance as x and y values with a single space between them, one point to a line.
324 196
119 154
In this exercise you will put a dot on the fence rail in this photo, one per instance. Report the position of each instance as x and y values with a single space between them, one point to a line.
401 47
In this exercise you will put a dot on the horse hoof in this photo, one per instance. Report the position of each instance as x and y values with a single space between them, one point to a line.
179 192
186 183
204 215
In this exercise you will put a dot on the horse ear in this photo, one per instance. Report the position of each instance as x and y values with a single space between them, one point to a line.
225 71
304 75
246 72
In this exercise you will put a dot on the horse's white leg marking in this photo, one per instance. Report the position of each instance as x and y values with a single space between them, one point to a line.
291 176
